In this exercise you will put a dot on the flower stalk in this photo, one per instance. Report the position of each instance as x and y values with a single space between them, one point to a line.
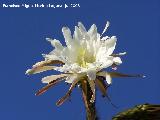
90 106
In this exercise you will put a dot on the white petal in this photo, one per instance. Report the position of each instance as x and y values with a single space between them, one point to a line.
117 60
91 74
106 75
120 54
77 34
82 28
105 29
63 68
105 38
92 32
106 62
55 43
71 78
108 78
51 57
67 35
110 44
71 68
49 79
75 68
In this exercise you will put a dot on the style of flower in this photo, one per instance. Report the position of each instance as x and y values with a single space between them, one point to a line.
81 62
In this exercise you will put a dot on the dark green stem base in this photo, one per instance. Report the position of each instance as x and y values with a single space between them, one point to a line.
140 112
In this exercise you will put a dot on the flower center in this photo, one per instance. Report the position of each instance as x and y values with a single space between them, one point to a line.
83 57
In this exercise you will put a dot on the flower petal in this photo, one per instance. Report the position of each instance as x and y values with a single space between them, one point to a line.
71 78
92 32
51 78
119 54
67 35
43 66
45 88
77 34
47 62
102 86
105 29
108 78
61 101
106 75
110 44
109 75
106 63
55 43
105 38
39 69
116 74
117 60
82 28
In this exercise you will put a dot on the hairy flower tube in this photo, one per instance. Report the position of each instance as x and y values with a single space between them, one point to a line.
81 62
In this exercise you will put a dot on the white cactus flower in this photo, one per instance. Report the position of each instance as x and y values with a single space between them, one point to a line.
85 52
84 57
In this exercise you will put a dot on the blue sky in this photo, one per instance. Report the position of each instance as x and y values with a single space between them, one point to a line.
22 34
